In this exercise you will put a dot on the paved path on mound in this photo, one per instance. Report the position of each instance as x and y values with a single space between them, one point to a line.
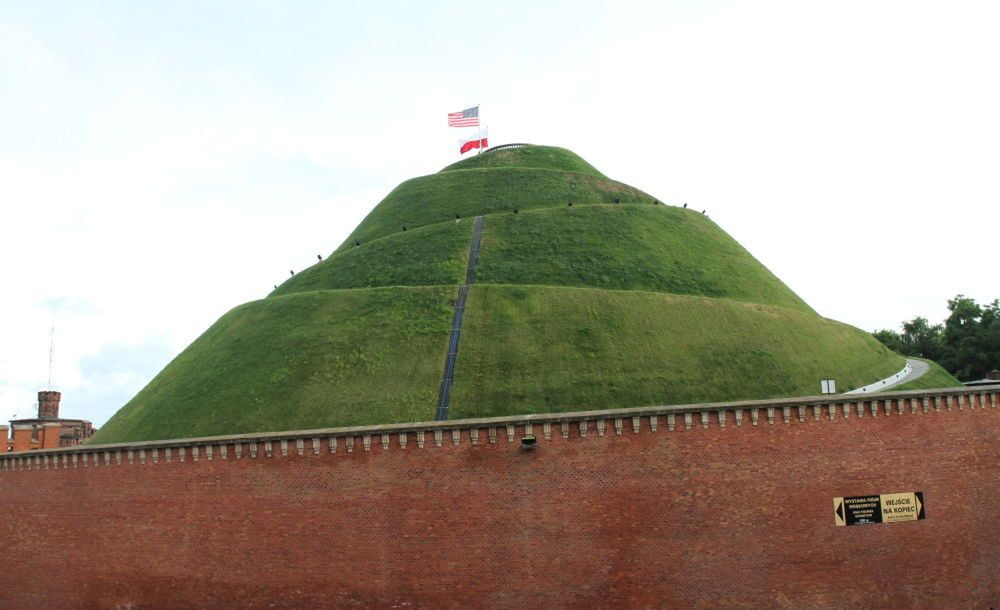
444 394
914 370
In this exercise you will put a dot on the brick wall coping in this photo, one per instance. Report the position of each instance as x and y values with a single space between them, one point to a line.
826 408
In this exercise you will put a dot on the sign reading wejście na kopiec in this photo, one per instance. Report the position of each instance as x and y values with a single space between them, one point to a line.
883 508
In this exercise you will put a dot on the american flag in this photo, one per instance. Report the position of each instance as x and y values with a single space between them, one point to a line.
464 118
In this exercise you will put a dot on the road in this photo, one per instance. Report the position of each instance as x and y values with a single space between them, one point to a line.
917 368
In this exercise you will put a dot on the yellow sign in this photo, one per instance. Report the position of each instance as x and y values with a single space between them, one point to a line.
900 507
884 508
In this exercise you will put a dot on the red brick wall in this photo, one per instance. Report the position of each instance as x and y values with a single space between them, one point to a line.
50 436
22 439
737 517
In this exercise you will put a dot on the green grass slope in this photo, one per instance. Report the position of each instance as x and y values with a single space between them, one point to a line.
936 377
310 360
439 197
428 256
649 248
539 157
528 349
620 247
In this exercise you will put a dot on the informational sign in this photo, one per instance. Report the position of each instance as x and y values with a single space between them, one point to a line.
883 508
828 386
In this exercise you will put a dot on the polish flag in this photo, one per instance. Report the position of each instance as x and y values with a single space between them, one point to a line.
479 141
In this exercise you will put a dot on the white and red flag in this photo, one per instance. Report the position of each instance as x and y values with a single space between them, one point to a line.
479 141
464 118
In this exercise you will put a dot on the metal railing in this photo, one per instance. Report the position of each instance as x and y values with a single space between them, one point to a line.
506 147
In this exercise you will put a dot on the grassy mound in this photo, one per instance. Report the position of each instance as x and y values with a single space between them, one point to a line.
649 248
598 305
539 157
439 197
528 349
311 360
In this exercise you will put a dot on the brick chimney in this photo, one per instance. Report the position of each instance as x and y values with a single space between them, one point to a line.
48 404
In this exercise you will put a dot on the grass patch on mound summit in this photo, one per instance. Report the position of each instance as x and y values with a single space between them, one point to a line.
531 349
649 248
542 157
310 360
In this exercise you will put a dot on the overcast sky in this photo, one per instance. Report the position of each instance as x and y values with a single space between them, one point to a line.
163 162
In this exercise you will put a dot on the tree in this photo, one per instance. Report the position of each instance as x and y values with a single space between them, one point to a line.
920 338
890 339
989 332
968 344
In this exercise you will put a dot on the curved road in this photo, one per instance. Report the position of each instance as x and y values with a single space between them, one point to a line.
917 370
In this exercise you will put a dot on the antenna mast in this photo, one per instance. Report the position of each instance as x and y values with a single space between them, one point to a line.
52 345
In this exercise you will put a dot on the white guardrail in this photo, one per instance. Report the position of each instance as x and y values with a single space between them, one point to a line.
883 383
